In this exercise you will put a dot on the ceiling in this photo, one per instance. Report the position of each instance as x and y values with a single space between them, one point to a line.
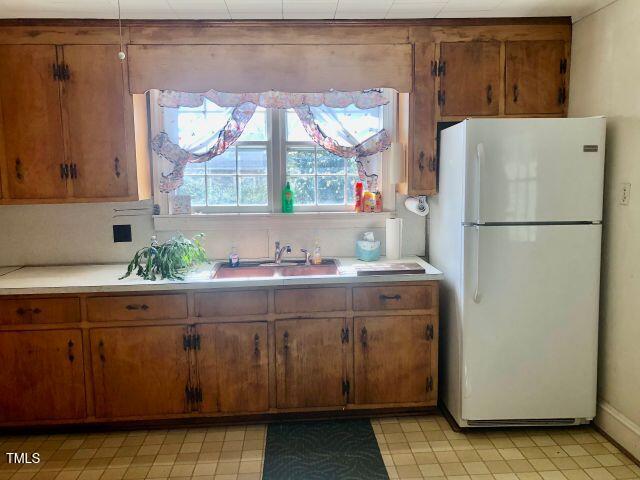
297 9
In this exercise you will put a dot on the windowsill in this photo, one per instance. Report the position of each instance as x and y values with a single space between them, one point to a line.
208 221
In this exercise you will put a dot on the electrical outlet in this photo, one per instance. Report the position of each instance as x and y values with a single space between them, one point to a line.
625 193
121 233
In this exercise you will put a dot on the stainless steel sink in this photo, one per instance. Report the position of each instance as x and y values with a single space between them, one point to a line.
290 268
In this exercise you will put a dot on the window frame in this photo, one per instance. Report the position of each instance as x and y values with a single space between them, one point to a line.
276 164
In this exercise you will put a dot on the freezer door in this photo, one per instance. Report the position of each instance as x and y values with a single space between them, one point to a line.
534 170
530 322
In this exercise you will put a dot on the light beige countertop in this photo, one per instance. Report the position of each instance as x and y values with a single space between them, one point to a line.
105 278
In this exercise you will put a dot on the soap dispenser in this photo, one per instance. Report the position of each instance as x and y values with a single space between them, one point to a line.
317 256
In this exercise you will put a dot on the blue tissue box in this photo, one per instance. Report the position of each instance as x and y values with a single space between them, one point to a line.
368 251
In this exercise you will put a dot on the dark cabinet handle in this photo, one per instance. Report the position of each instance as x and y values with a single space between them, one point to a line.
73 170
135 306
429 332
432 163
70 355
489 94
397 296
285 339
116 166
516 93
101 351
421 161
56 71
363 337
256 345
24 311
19 172
64 72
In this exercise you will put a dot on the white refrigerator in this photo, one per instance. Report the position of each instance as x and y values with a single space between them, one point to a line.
516 229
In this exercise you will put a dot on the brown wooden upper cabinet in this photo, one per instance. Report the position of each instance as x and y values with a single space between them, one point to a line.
42 376
536 74
421 172
67 125
469 75
32 124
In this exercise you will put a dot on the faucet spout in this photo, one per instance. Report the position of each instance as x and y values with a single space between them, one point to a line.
280 251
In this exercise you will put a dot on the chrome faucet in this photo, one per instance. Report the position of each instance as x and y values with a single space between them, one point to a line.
280 251
307 256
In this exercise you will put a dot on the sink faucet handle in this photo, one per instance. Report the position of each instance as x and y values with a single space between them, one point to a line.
288 247
307 256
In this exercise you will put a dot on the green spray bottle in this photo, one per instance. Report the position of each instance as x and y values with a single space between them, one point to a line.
287 199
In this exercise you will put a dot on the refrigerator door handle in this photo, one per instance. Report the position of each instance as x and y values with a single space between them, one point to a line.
480 150
476 293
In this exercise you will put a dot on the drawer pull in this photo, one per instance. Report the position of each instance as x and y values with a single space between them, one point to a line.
101 351
397 296
285 338
24 311
256 345
363 337
70 351
135 306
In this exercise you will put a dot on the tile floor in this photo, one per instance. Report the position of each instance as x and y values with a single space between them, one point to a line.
412 447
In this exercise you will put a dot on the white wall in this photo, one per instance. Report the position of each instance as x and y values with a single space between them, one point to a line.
82 233
605 80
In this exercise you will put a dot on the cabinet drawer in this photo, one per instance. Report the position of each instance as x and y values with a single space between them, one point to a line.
226 304
307 300
138 307
400 297
39 310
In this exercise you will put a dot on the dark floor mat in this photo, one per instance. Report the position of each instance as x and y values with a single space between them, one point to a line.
336 449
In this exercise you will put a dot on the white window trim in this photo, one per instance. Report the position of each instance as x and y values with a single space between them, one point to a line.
275 183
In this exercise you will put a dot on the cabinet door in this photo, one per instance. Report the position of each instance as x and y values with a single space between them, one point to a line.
535 77
32 124
42 376
421 170
93 104
233 367
139 371
310 362
470 78
395 359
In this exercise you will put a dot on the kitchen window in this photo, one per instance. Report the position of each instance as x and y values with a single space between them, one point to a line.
273 149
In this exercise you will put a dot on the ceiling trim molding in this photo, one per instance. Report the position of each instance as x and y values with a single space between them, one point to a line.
404 22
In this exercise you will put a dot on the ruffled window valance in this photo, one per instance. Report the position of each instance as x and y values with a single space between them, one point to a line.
313 109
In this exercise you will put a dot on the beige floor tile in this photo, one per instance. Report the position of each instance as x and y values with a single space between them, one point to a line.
425 458
67 475
621 472
159 471
575 450
608 460
403 459
529 476
599 473
489 454
576 475
205 469
565 463
520 466
475 468
586 461
451 469
468 456
553 475
250 467
431 470
408 471
505 476
542 464
498 466
137 472
226 468
557 451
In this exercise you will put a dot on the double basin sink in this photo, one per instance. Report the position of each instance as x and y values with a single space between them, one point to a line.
289 268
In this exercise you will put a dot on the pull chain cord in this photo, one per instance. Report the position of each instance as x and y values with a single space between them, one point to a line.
121 54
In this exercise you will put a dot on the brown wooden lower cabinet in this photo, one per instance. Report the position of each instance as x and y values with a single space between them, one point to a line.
139 371
41 376
311 362
350 347
395 359
233 367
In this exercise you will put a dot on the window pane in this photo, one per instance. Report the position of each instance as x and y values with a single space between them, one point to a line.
253 191
256 129
252 160
359 123
329 163
224 163
352 166
221 190
351 189
194 168
303 190
194 185
331 190
295 130
300 161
